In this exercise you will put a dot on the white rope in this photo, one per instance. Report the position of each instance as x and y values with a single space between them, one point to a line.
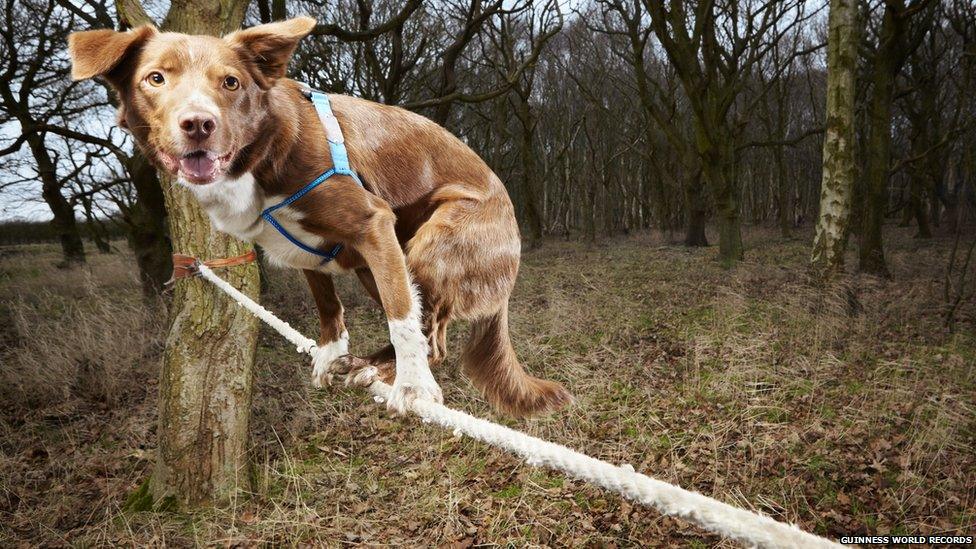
747 527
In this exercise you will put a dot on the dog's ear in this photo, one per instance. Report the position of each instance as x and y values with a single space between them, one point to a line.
101 52
269 47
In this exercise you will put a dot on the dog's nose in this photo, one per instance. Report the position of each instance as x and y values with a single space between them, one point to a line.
198 126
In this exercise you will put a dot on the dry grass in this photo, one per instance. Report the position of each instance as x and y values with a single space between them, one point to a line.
70 335
85 348
845 410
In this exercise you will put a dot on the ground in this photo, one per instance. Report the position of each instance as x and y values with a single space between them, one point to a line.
846 410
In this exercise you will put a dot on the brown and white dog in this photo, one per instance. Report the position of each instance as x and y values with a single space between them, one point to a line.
219 114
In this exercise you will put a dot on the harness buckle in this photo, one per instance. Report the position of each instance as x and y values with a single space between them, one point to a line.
186 266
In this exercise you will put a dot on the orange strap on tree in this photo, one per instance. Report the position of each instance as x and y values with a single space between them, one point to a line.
187 265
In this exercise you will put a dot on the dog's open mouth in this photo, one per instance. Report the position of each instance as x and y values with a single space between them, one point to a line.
202 166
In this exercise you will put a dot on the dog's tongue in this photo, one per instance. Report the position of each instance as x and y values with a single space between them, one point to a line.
198 165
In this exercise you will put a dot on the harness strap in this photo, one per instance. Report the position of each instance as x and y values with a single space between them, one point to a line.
333 133
340 163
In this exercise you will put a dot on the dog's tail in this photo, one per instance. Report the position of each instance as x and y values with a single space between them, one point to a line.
490 362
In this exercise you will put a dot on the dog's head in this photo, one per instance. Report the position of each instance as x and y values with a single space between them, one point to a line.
192 102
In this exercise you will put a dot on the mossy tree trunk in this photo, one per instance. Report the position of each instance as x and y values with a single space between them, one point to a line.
878 149
207 374
712 66
657 104
719 171
838 155
902 29
925 113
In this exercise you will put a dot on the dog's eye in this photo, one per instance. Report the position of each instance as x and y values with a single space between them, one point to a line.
156 79
232 83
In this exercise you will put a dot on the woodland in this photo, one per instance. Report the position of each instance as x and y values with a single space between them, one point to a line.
749 230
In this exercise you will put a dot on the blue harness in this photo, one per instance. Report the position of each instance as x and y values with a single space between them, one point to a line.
340 166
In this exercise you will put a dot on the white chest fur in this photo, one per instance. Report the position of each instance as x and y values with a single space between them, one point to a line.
234 207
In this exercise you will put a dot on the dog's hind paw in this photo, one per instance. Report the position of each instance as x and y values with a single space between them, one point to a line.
363 377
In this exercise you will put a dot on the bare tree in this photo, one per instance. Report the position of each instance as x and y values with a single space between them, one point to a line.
715 47
515 37
33 90
629 22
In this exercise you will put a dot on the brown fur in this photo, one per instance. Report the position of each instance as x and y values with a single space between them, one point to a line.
330 310
430 204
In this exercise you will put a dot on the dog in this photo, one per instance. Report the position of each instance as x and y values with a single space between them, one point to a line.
430 233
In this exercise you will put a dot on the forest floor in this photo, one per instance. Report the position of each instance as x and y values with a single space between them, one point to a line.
850 410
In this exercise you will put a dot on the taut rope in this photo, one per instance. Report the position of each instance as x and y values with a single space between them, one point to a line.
747 527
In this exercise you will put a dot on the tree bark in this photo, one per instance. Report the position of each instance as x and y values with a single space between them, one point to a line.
730 247
918 205
95 228
208 365
838 153
878 150
927 172
216 17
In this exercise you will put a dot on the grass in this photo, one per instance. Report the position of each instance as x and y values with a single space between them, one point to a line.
847 410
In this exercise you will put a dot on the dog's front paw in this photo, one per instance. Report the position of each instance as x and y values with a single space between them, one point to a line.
408 388
325 360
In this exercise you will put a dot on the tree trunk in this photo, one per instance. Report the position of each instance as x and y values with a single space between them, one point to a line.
927 175
215 17
919 205
207 374
96 230
893 50
730 248
838 152
697 212
784 195
148 236
878 148
935 208
716 167
530 175
906 207
64 222
278 11
100 243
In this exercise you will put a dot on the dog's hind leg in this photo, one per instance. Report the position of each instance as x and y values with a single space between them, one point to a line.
467 253
437 316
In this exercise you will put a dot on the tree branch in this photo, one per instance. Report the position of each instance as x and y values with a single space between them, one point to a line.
792 142
331 29
132 14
